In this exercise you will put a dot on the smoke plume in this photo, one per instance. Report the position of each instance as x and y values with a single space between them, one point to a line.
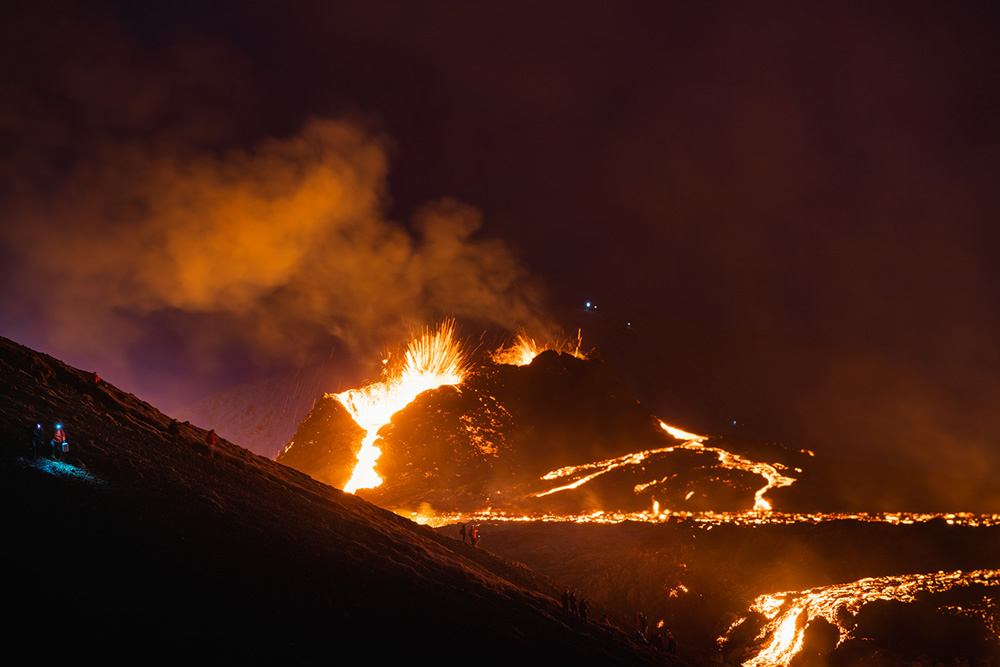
264 248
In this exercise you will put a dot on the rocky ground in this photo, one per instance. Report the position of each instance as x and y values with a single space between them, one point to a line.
699 580
146 542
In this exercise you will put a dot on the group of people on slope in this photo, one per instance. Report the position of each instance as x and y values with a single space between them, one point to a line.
53 442
471 533
577 608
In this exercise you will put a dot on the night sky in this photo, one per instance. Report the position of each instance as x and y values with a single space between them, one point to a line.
193 197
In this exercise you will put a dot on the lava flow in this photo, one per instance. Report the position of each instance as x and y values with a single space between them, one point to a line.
586 472
545 434
433 359
788 613
708 520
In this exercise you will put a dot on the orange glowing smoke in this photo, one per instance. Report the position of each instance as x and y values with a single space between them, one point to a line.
433 359
525 349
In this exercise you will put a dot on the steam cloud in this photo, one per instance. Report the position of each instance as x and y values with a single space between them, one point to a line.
267 246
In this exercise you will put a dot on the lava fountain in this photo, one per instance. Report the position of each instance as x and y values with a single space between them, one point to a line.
433 359
524 349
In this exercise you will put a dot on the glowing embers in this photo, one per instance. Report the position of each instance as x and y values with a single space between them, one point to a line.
581 474
433 359
788 613
525 349
709 520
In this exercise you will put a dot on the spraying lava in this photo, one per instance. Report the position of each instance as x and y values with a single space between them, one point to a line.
525 349
545 434
511 418
433 359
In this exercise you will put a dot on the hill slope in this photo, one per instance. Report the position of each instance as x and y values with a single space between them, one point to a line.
144 540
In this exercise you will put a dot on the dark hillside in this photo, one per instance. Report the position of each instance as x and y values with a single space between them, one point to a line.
144 542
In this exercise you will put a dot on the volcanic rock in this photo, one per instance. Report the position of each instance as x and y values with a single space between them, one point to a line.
488 441
326 443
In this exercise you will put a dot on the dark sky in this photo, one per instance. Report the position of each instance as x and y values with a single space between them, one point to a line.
194 196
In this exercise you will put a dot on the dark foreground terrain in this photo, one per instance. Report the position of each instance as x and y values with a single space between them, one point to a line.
145 543
700 579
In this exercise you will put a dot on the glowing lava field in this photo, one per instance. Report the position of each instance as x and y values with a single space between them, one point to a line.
731 546
753 553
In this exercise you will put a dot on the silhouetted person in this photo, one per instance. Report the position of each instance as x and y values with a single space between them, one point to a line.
60 445
565 600
37 439
583 609
572 603
211 440
462 533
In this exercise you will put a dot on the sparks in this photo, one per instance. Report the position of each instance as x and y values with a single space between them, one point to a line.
525 349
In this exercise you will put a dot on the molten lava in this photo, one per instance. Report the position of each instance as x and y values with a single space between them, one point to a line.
433 359
581 474
463 452
525 349
789 613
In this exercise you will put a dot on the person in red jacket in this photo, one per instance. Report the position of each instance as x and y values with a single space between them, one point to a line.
211 440
60 445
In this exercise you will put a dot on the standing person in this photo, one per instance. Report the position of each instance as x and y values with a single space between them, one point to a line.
211 440
475 535
37 440
462 533
60 445
642 622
